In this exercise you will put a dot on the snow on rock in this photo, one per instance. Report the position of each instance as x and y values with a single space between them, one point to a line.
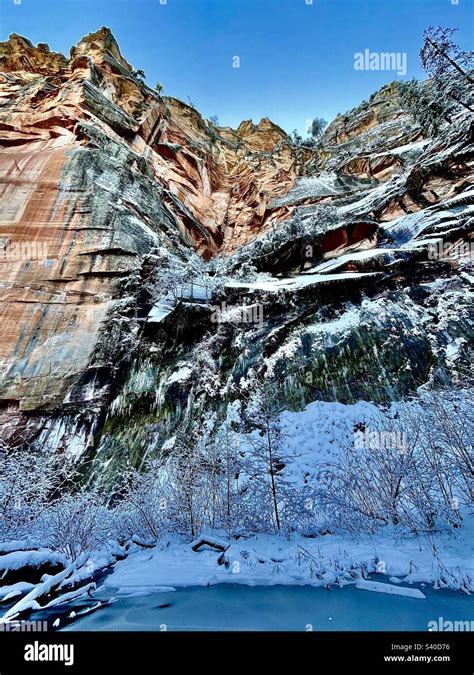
16 560
180 375
310 279
160 311
324 185
404 149
299 282
355 256
405 230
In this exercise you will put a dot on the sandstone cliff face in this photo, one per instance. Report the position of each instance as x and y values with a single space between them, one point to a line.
97 171
19 55
96 168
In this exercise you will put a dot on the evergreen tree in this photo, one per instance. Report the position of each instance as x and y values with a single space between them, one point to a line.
429 112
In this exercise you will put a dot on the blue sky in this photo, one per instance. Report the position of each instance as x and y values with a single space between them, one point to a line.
296 56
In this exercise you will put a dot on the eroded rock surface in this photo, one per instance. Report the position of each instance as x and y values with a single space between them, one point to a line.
97 171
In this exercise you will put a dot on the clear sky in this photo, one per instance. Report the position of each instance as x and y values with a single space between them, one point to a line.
296 56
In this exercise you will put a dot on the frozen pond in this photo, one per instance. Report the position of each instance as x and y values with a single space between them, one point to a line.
276 608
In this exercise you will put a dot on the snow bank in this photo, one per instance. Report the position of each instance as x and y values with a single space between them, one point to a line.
268 560
18 559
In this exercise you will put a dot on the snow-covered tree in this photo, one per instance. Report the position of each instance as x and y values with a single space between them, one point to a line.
143 507
228 459
449 67
27 484
440 55
178 277
443 423
428 110
365 487
419 484
265 459
186 476
77 522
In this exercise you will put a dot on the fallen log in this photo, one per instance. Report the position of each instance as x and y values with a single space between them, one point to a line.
211 542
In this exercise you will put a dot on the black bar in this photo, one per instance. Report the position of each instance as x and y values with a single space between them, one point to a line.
316 652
